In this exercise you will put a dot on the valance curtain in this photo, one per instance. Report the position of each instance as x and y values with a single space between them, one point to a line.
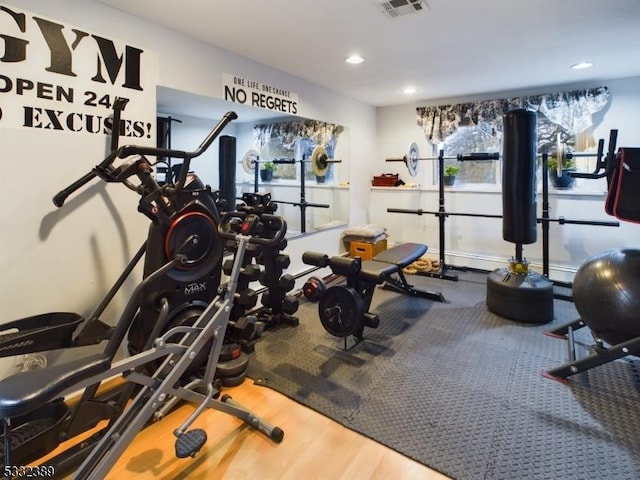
321 133
567 113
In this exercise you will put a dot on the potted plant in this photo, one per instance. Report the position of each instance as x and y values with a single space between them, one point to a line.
266 171
564 181
450 172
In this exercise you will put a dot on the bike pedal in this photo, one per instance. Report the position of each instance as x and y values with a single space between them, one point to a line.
189 443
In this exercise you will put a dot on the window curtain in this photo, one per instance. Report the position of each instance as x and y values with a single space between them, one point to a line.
320 133
567 113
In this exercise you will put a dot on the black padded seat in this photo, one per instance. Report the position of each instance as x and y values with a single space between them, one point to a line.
25 392
402 255
375 272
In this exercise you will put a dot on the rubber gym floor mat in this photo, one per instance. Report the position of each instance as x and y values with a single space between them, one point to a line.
460 390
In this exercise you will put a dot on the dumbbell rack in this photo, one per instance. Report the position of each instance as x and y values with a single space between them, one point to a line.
277 305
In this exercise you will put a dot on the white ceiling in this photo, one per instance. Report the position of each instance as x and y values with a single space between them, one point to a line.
455 48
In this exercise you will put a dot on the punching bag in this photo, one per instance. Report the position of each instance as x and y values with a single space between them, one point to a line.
516 292
227 170
519 166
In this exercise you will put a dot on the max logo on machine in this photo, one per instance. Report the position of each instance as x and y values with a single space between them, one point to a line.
194 288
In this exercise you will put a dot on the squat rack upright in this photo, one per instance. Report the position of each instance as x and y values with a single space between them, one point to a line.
545 219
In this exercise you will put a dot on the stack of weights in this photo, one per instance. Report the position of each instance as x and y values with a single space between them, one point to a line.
278 305
243 328
516 292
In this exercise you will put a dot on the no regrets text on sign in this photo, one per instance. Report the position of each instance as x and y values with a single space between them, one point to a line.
250 92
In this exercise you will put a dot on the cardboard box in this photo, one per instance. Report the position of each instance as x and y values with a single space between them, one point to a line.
366 250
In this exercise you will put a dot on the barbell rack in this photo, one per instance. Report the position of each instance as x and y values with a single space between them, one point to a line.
545 220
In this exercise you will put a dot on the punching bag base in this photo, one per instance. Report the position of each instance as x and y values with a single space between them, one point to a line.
523 297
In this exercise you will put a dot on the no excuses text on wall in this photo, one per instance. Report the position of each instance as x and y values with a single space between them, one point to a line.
61 78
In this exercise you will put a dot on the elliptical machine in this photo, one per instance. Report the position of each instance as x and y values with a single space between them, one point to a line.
182 267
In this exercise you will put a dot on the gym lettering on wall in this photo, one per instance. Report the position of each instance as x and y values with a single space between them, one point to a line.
257 94
57 77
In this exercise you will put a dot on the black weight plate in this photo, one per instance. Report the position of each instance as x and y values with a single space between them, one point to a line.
341 311
232 368
233 381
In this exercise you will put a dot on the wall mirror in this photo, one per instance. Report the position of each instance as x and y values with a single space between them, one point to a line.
272 138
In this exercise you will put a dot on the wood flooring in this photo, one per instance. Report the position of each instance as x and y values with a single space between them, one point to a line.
314 447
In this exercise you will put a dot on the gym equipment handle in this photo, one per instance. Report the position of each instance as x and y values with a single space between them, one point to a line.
282 227
284 161
478 156
60 197
128 150
105 167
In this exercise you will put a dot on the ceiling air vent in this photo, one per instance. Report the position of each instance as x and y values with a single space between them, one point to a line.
397 8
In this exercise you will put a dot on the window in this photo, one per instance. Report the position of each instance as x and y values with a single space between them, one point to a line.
472 139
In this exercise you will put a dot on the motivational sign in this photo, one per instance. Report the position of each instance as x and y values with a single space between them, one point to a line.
61 78
250 92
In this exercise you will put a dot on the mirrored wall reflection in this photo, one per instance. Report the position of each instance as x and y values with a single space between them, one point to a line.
286 144
300 163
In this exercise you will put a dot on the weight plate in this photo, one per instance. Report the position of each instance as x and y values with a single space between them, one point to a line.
319 161
559 155
313 289
249 161
232 381
233 367
412 157
341 311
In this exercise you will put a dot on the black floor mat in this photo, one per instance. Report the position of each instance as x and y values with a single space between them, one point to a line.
459 389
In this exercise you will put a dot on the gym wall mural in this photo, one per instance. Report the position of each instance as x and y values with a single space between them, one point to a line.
61 78
477 126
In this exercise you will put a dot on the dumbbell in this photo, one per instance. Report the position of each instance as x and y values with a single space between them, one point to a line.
290 304
247 327
251 272
286 282
282 261
313 289
247 298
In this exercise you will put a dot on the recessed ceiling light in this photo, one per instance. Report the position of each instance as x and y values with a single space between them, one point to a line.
409 90
582 65
354 59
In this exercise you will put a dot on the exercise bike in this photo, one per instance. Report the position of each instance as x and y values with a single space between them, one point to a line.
181 276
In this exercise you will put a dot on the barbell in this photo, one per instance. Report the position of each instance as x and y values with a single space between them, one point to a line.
319 161
559 220
412 157
562 154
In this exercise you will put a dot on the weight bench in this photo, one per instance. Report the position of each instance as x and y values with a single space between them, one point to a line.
344 309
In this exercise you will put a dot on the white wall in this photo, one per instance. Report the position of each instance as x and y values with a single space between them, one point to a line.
66 259
477 242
